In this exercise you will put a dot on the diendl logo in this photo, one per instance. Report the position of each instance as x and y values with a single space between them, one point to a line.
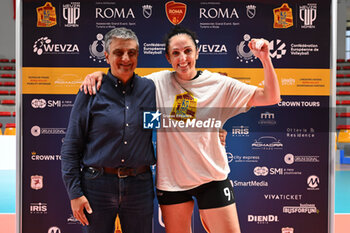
151 120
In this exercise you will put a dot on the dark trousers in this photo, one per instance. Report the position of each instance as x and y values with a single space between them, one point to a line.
108 195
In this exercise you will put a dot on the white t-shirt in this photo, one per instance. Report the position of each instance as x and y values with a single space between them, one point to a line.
189 152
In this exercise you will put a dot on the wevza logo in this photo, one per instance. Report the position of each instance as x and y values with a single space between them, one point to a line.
212 49
37 131
97 49
71 13
240 131
290 158
288 197
38 208
44 46
267 143
308 14
267 118
39 157
114 13
251 183
218 13
263 219
301 209
313 182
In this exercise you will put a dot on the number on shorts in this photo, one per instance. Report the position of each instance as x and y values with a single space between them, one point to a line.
227 193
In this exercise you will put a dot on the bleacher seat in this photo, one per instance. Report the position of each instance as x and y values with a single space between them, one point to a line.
344 134
344 114
343 93
343 84
3 60
340 60
340 76
5 114
12 102
7 76
10 129
9 84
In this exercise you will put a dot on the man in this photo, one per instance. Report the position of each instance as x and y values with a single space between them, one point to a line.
106 154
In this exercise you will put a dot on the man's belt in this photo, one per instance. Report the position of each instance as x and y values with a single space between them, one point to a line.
123 172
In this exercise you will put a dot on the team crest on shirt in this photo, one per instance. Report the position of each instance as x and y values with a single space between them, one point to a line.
185 107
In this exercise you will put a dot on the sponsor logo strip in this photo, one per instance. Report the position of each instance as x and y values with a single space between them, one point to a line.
42 80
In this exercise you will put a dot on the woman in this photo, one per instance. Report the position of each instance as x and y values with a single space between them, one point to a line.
192 162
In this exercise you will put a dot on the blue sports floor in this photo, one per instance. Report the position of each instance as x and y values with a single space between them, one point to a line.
342 191
7 191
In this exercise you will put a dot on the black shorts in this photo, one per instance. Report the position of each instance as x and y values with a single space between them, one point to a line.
210 195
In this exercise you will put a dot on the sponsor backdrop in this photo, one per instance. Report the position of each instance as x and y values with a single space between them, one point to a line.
278 155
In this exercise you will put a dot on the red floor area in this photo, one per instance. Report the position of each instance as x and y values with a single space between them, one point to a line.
7 223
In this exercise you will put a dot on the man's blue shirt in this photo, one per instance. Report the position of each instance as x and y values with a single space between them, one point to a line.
106 130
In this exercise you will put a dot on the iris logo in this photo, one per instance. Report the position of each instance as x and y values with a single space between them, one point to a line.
151 120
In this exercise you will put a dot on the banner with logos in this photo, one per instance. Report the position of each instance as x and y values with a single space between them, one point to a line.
278 155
